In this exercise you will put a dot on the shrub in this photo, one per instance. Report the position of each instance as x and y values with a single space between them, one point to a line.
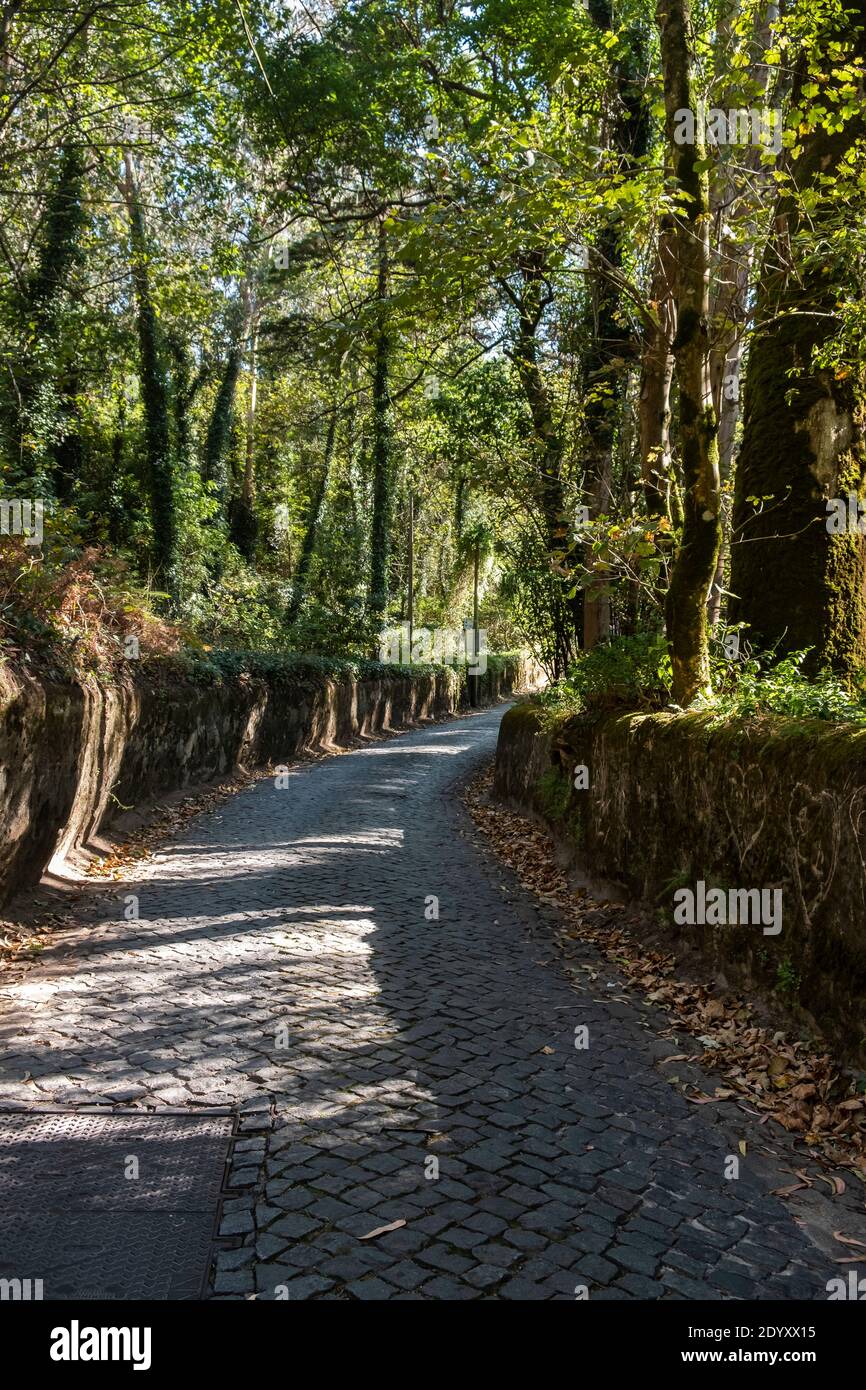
628 672
635 673
758 684
69 612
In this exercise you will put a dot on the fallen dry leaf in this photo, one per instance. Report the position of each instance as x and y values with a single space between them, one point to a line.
381 1230
836 1184
847 1240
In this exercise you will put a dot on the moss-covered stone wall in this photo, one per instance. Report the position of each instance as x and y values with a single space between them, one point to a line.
677 799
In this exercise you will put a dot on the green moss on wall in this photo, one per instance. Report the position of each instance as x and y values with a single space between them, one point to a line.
738 803
553 794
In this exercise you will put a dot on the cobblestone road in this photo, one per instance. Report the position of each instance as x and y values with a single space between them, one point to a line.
283 961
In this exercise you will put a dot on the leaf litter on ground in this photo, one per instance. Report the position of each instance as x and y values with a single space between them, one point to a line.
803 1090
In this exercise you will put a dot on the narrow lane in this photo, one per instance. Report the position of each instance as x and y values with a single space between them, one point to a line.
395 1066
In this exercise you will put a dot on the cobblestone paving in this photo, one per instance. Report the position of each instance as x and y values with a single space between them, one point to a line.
283 962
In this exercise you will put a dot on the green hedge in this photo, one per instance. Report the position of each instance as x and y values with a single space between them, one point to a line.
299 668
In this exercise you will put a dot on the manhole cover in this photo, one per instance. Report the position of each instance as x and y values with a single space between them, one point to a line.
110 1206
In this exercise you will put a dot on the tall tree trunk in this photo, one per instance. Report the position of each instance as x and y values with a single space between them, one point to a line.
567 614
476 564
601 408
410 577
625 131
184 388
732 269
657 373
695 562
219 430
380 529
36 405
154 393
112 490
67 449
249 484
244 528
354 479
803 427
314 517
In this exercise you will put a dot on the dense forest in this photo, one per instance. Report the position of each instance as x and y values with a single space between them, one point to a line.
316 318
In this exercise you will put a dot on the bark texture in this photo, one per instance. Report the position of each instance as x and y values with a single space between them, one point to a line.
803 440
695 563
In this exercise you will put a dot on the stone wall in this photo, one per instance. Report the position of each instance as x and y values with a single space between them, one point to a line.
674 800
73 756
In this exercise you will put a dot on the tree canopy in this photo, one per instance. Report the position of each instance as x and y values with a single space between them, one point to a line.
314 312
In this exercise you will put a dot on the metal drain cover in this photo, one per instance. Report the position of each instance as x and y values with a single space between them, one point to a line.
110 1206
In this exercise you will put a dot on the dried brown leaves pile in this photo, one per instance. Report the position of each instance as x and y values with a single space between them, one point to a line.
803 1090
164 822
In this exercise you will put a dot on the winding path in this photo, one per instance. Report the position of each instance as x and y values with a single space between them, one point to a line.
391 1067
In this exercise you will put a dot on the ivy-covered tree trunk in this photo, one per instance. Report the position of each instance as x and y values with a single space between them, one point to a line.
219 430
67 449
38 406
795 583
314 517
111 483
566 613
695 562
244 527
154 394
380 530
184 388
